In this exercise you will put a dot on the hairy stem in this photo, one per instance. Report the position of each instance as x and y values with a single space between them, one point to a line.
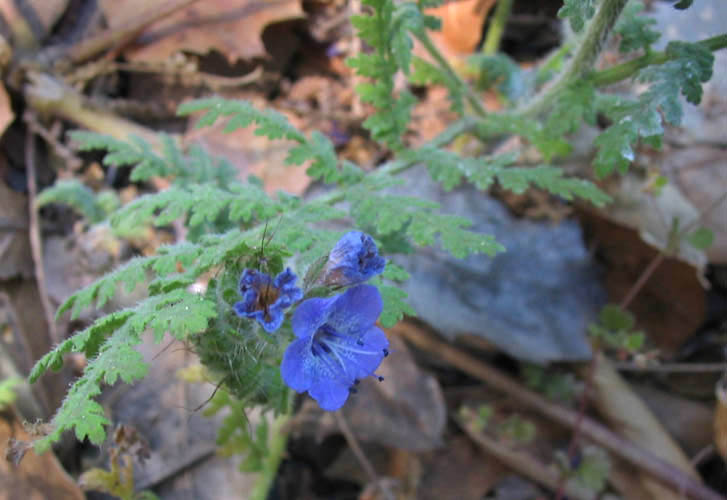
497 27
628 69
472 98
588 50
269 472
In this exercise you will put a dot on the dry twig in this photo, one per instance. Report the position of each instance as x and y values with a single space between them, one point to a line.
523 463
590 429
360 455
36 244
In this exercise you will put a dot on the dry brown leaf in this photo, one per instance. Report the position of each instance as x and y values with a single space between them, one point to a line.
6 111
671 305
233 27
252 154
14 243
701 176
459 471
37 477
462 23
34 21
720 419
631 418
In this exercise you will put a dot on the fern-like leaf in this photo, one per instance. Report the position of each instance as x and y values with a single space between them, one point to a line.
269 123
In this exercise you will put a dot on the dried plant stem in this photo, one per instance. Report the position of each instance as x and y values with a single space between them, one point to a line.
92 46
433 51
588 50
72 161
36 244
590 429
671 367
360 455
523 463
497 27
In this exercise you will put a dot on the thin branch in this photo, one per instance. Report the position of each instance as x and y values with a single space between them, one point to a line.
74 162
360 455
578 427
671 367
36 244
591 430
433 51
497 27
523 463
92 46
628 69
583 60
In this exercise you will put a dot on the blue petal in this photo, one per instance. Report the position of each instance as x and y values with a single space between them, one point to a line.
297 368
356 309
276 319
361 355
330 394
310 316
354 259
285 279
252 279
349 244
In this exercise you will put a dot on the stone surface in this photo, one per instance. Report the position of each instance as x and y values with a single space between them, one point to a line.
532 301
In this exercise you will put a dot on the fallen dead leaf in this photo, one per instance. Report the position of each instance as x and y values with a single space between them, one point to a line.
720 419
460 471
631 418
6 111
252 154
14 243
38 477
671 305
462 23
30 21
233 27
701 176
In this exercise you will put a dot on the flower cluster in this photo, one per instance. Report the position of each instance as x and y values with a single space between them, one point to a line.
337 342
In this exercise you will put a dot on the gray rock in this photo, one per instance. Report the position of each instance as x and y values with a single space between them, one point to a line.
533 301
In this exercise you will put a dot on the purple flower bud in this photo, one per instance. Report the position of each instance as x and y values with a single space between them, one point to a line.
264 299
353 260
337 344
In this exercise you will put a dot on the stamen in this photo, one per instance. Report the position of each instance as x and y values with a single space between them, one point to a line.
356 381
352 390
379 377
386 352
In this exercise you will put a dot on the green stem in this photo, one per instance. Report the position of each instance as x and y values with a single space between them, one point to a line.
461 126
472 98
628 69
269 472
583 60
497 27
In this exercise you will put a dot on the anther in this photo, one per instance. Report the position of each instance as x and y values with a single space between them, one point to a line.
352 390
380 378
386 352
356 381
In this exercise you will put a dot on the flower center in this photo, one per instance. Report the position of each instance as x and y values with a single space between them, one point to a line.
337 348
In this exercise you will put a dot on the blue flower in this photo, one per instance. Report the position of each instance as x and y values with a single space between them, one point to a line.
354 259
337 344
264 299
